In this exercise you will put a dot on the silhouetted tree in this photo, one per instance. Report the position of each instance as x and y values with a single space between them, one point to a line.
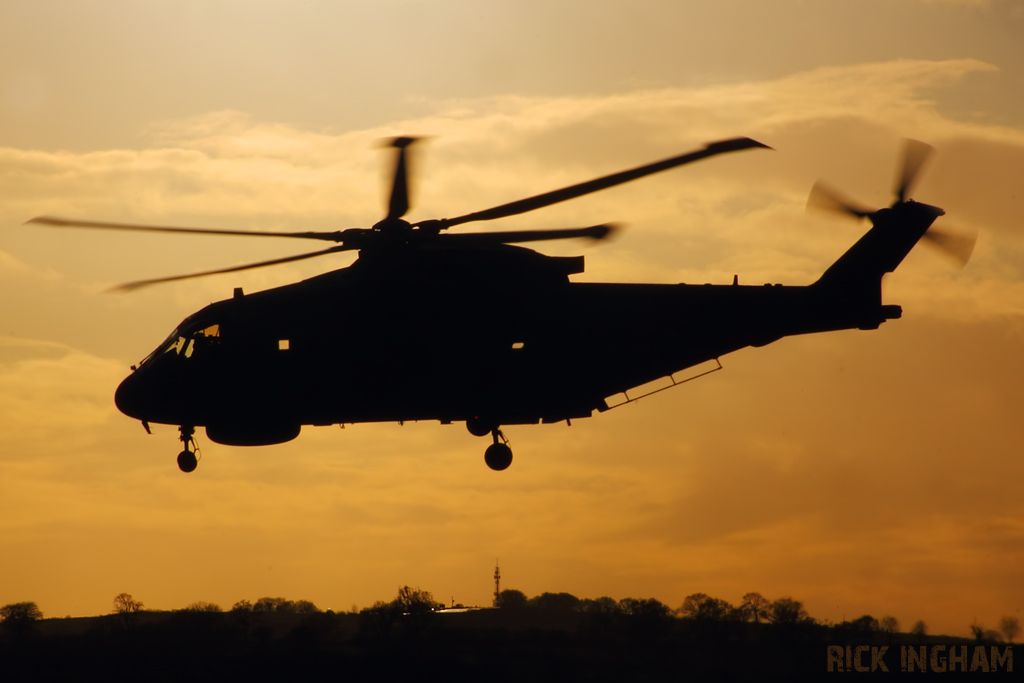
603 605
284 606
691 605
243 616
647 618
601 617
378 619
756 607
981 634
194 625
889 624
305 607
202 607
1009 627
511 599
716 609
18 618
919 629
788 611
865 625
128 607
646 607
562 603
703 607
414 600
417 607
273 605
412 607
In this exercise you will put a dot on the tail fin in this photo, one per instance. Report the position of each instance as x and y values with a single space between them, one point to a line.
853 284
895 232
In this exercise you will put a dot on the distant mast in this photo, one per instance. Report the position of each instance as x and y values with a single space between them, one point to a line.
497 584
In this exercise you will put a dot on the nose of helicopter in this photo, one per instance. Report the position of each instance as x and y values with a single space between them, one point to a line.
129 397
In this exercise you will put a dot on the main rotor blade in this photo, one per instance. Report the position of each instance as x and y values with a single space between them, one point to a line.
595 232
398 205
75 223
573 191
129 286
825 197
915 154
958 246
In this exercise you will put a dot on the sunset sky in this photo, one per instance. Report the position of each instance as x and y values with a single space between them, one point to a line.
860 472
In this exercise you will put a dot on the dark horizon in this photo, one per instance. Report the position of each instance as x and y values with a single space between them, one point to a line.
547 637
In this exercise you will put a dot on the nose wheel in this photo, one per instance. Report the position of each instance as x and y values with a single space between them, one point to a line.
187 460
498 455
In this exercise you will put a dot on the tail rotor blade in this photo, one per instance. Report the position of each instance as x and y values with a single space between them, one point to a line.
915 154
824 197
398 204
957 245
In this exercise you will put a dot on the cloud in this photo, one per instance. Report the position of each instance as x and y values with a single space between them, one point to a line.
15 273
50 393
225 164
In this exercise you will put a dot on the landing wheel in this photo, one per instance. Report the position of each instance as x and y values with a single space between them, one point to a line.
479 426
498 456
187 461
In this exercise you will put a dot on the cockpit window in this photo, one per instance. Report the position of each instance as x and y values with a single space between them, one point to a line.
177 346
186 344
201 340
169 344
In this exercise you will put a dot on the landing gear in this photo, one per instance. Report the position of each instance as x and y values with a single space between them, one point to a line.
498 455
480 426
187 460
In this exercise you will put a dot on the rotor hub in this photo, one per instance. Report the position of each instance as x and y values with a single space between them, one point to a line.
392 225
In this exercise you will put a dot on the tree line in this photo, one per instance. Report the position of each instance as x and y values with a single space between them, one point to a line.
551 636
413 609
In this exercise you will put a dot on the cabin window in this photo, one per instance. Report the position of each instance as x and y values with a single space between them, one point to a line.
518 345
282 345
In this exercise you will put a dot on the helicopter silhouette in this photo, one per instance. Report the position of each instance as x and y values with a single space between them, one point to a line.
467 327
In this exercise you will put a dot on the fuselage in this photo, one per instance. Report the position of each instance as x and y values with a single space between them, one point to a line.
499 333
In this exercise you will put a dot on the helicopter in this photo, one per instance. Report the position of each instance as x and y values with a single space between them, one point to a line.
469 327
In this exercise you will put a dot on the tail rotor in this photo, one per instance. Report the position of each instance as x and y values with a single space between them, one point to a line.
955 244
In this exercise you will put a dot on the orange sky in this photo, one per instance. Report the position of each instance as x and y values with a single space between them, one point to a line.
861 472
